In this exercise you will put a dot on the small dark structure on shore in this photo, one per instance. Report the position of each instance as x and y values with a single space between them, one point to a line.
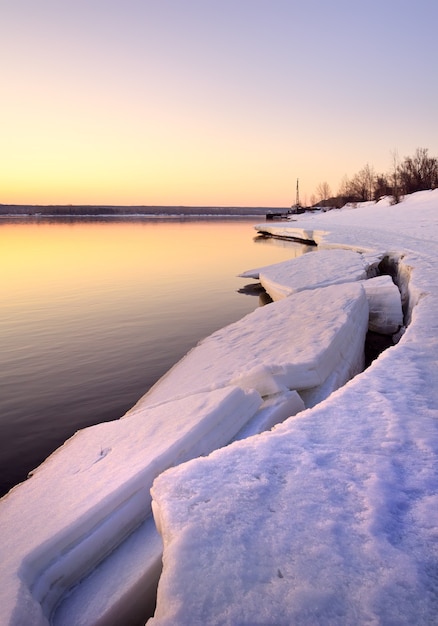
294 210
277 216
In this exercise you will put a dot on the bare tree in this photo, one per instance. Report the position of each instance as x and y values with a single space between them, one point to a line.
419 172
361 186
416 173
344 192
382 187
344 186
323 191
396 197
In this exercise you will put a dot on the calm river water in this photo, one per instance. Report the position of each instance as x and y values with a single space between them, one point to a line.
93 312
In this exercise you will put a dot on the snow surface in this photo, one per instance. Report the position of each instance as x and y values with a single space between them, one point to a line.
329 518
332 517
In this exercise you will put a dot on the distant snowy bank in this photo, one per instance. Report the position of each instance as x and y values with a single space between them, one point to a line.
117 212
323 509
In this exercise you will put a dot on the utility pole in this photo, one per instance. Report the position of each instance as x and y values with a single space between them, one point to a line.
297 200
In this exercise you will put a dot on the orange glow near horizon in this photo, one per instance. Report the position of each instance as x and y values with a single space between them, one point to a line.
43 259
101 105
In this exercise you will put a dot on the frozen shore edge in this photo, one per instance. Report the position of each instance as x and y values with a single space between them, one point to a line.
336 519
23 569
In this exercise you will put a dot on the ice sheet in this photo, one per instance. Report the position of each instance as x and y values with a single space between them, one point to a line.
103 474
273 411
330 518
291 344
94 491
332 267
128 577
310 271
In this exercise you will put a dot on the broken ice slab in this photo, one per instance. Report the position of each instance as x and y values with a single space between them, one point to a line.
295 343
273 411
122 589
90 494
336 266
386 315
311 271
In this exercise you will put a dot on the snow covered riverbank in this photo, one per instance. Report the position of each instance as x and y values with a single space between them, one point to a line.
331 517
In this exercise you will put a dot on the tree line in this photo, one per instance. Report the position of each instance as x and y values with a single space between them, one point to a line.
414 173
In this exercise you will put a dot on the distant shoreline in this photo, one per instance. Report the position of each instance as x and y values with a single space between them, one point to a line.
24 210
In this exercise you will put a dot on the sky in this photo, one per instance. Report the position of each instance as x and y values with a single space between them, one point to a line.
204 102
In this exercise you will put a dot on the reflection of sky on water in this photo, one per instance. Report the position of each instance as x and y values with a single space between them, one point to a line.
93 312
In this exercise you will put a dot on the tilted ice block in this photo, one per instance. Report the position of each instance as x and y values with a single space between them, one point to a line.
372 260
294 253
291 344
350 361
90 494
273 411
120 590
254 273
386 315
260 377
351 364
311 271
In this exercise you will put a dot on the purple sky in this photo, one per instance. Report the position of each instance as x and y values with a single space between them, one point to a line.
204 102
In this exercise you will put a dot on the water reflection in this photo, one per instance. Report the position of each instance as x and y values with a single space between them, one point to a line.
94 311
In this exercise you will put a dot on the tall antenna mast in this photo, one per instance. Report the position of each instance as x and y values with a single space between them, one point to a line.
297 201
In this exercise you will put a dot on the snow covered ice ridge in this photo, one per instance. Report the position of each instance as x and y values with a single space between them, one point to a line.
324 518
331 517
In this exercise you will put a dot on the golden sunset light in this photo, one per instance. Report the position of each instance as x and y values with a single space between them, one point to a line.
206 104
